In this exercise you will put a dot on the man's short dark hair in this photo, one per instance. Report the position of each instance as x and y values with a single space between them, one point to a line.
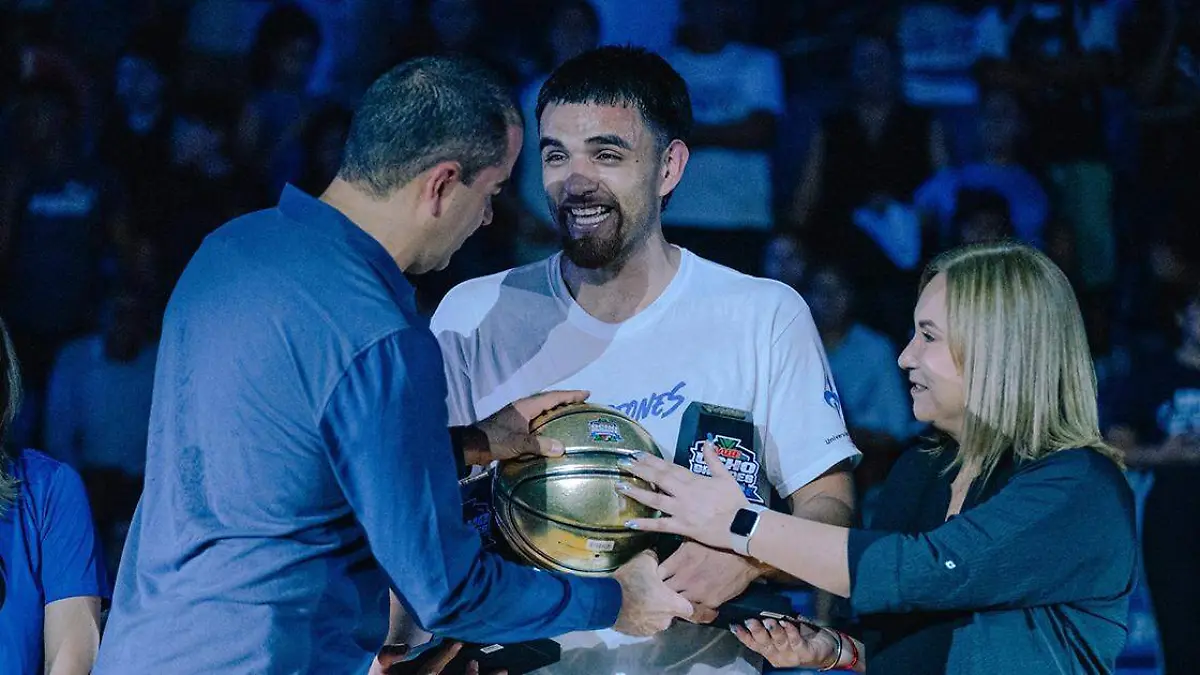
423 112
621 75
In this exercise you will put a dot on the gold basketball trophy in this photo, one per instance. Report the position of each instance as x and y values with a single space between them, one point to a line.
564 513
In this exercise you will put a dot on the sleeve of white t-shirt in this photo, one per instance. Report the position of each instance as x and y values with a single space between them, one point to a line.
805 431
452 340
762 85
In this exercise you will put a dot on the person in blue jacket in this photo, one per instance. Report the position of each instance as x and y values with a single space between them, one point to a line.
52 576
299 462
1008 546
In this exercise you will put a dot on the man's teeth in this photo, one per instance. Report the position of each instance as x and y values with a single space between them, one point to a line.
592 215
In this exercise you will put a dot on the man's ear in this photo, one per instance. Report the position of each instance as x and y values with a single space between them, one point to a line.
674 161
439 181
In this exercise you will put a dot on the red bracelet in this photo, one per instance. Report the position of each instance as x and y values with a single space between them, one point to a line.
853 653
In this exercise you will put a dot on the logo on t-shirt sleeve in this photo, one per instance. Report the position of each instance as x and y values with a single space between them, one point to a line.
831 396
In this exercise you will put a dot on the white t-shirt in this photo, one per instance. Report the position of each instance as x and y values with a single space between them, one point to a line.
713 335
724 188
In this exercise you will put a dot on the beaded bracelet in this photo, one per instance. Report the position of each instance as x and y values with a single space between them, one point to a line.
837 636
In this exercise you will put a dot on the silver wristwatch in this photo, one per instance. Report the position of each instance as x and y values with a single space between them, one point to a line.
744 524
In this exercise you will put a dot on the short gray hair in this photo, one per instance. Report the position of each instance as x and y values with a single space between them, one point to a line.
426 111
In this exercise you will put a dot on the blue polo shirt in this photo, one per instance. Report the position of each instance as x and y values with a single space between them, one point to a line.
299 466
48 552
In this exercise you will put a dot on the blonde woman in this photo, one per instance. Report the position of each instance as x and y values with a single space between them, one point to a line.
1006 547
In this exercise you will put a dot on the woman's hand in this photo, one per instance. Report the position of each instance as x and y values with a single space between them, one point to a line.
698 508
789 645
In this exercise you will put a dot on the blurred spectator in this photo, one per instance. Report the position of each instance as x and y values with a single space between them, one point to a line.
624 22
321 142
1001 135
279 107
573 28
941 42
203 183
98 409
1061 58
1156 421
223 28
95 31
216 39
878 147
980 216
1172 266
41 59
786 260
52 579
863 164
1161 53
722 210
99 393
134 136
870 387
57 210
136 132
462 27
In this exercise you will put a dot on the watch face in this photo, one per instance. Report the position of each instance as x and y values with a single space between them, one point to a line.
743 522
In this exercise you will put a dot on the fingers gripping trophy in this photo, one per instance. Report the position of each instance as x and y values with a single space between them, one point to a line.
562 512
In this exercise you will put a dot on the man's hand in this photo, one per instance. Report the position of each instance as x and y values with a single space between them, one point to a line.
390 661
647 605
508 433
707 578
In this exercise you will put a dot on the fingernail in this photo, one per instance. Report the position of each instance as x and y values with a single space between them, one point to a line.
709 437
625 463
733 629
622 486
631 525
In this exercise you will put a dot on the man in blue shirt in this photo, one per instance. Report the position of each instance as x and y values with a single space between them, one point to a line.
297 462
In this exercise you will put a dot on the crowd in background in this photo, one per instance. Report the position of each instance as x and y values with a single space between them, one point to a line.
838 147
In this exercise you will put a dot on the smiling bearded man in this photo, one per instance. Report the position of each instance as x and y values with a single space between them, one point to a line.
648 328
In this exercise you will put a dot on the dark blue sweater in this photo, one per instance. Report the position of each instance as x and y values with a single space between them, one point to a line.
1033 576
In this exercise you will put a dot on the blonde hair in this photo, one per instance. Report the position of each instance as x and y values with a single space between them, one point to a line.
1016 334
10 401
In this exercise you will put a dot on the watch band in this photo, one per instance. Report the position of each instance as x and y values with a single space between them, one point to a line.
740 543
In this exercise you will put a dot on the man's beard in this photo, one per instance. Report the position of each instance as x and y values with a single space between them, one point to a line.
599 249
